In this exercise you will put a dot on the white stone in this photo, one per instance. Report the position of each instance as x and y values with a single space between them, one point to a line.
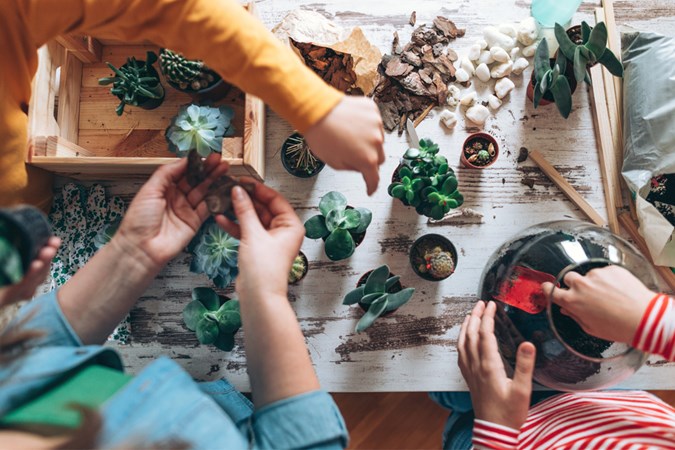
520 65
474 52
528 31
467 65
448 118
515 52
503 87
482 43
495 38
453 96
478 114
485 57
468 99
508 29
529 50
499 54
462 75
501 70
483 72
494 102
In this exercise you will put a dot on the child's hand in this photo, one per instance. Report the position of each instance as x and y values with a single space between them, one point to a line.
496 398
36 274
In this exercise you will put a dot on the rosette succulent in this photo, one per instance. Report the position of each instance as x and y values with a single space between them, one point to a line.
215 254
215 319
200 128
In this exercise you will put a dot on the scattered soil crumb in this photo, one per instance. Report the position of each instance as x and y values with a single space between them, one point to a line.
529 182
523 154
503 180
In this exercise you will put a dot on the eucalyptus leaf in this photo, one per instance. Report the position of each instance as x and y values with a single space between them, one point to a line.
376 309
207 331
193 313
339 245
353 296
400 298
365 219
376 280
315 227
332 201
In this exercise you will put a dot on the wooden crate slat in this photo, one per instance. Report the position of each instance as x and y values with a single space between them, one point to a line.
85 48
69 97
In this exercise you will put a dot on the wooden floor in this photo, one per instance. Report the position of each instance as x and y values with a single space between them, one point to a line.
402 420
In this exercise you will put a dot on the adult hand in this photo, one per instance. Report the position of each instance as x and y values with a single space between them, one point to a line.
496 398
36 274
608 303
270 235
351 137
167 212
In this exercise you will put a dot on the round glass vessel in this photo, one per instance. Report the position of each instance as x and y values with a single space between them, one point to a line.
568 359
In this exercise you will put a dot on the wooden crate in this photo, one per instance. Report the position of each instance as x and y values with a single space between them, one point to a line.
74 131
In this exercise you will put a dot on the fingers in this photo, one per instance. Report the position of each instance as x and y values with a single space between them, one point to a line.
169 172
268 197
522 377
371 175
472 337
572 279
461 342
488 342
559 296
196 195
249 223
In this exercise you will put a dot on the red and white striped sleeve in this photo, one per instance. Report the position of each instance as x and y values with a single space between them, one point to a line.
488 435
656 332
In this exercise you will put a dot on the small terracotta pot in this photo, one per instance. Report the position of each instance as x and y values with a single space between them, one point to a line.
394 289
474 136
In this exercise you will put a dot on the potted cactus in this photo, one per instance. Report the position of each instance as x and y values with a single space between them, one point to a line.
552 81
298 159
136 83
200 128
215 319
299 269
24 231
381 293
215 254
425 181
192 76
342 227
433 257
480 150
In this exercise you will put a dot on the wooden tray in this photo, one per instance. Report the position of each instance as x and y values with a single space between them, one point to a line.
74 131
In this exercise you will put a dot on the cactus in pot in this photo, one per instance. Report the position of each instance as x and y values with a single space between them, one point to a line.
438 263
186 74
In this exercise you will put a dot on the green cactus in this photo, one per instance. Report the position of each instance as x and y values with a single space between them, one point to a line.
298 270
185 73
438 263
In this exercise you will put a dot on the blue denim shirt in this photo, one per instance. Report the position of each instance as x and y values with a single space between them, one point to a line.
163 402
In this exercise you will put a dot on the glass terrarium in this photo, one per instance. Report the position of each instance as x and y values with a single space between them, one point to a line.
568 359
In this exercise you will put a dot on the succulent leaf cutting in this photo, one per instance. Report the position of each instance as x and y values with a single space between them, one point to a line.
338 225
215 254
214 319
200 128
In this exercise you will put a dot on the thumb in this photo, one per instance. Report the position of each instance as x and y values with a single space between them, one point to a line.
249 223
371 175
522 376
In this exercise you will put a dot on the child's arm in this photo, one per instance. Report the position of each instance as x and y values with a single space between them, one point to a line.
656 332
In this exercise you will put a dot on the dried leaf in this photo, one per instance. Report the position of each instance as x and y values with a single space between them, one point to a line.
413 18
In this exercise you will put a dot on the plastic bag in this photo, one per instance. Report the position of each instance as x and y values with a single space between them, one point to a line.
649 131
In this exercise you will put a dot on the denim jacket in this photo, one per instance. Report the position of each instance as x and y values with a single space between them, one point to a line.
163 402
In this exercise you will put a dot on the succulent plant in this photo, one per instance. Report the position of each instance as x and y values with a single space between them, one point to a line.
186 74
337 225
375 296
215 254
592 49
215 319
438 263
11 268
134 82
427 182
552 79
298 269
200 128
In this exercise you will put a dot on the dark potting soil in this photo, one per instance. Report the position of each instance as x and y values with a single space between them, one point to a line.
474 146
392 290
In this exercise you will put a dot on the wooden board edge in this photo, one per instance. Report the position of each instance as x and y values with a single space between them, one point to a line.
85 48
254 135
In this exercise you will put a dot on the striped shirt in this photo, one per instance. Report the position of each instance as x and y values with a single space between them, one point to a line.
599 420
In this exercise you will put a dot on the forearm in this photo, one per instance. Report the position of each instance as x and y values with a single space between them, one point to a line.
278 361
656 332
101 294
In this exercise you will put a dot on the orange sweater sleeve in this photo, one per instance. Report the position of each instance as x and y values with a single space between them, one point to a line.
220 32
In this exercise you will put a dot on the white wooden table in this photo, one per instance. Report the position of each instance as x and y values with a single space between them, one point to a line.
413 349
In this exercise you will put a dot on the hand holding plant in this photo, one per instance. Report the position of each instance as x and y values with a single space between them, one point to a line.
37 272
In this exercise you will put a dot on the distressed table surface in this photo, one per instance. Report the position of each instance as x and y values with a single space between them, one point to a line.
413 349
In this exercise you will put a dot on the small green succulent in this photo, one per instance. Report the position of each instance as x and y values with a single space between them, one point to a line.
552 79
374 295
298 269
592 49
215 254
200 128
337 225
215 319
134 82
11 266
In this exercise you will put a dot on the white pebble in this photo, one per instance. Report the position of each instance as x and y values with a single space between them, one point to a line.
485 57
494 102
448 118
508 29
529 50
483 72
495 38
528 31
501 70
499 54
453 91
482 43
467 65
474 52
462 75
503 87
520 65
478 114
514 53
468 99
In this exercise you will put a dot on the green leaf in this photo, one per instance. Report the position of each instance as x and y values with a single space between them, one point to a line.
412 153
562 96
354 296
610 61
409 196
332 201
450 186
365 220
230 322
580 63
597 41
207 297
434 197
225 342
417 184
538 94
334 219
207 331
451 204
567 47
391 282
352 219
377 280
192 314
541 62
315 227
585 32
375 310
399 299
405 172
371 298
437 212
339 245
398 191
